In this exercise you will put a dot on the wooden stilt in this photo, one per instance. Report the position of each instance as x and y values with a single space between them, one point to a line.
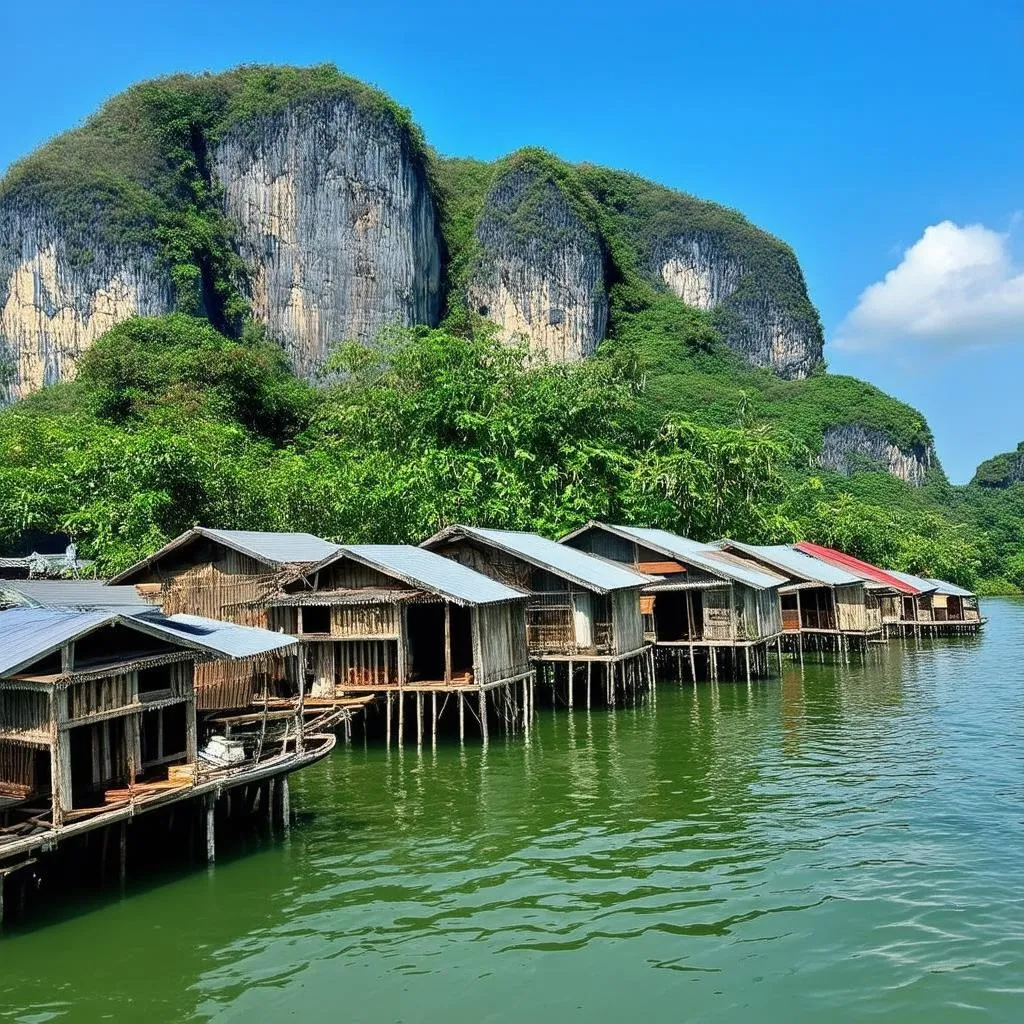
483 715
419 720
590 667
211 844
433 720
462 717
387 701
401 718
571 674
286 804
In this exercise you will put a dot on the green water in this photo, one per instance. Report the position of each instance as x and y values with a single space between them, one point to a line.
843 844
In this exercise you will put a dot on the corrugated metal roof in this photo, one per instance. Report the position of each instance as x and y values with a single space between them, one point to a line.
704 556
945 587
440 576
587 570
281 548
865 570
274 549
919 583
27 634
227 638
796 563
80 594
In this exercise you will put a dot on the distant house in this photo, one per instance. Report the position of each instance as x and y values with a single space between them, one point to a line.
398 620
823 606
890 590
230 575
582 610
938 607
702 601
67 564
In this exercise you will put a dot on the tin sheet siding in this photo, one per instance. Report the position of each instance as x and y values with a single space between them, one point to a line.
627 623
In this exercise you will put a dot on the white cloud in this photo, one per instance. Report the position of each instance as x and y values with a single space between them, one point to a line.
955 287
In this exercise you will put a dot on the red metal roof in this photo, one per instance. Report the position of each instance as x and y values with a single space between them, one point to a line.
856 566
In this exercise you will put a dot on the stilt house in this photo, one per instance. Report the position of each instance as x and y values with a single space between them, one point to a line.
822 604
101 700
395 619
581 609
229 575
938 607
887 587
703 602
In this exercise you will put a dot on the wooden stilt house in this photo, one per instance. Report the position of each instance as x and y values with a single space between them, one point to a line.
98 725
398 621
230 575
823 607
582 610
889 589
719 614
938 607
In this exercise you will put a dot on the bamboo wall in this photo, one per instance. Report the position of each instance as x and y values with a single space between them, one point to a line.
501 646
24 711
627 622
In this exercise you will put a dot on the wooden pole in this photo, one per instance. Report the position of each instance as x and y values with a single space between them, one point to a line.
590 667
419 720
462 717
286 804
401 718
387 700
211 844
433 721
571 673
483 715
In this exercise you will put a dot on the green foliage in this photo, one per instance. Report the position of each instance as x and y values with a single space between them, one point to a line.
169 424
1001 470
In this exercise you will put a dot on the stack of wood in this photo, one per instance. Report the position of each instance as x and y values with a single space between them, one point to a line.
179 776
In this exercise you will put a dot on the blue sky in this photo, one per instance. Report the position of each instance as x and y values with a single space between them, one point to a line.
846 132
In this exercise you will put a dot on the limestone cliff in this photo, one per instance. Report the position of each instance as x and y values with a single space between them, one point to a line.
751 311
1001 471
851 447
538 268
56 298
335 223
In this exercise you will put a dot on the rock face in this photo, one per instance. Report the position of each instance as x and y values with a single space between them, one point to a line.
335 223
751 315
853 446
539 268
56 299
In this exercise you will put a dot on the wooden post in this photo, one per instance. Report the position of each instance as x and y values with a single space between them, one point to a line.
571 673
211 845
286 804
401 717
590 666
483 715
447 644
462 717
387 700
433 720
419 720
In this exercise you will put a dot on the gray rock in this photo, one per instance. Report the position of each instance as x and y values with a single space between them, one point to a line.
57 297
853 446
539 268
335 223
